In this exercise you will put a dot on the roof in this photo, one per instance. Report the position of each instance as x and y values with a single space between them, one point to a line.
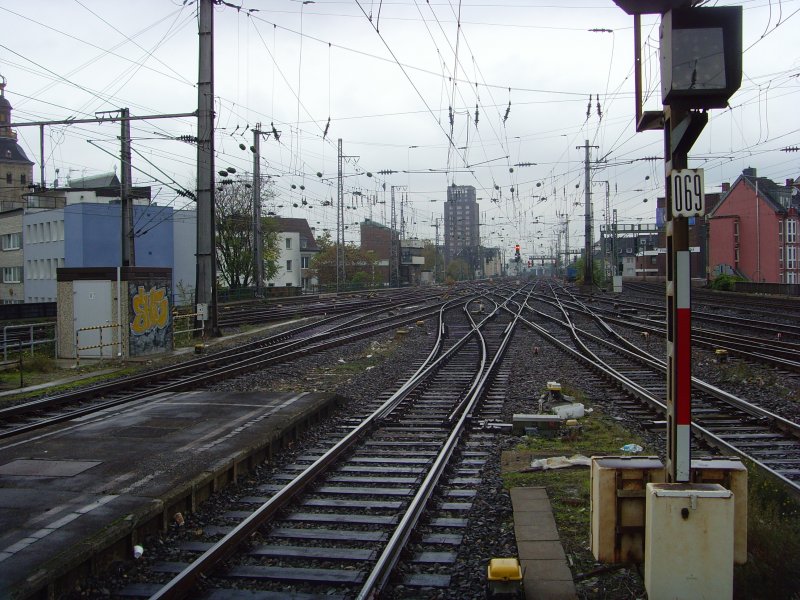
11 151
105 180
375 224
287 225
778 197
137 192
774 194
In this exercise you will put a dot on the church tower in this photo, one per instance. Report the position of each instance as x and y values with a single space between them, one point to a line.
16 171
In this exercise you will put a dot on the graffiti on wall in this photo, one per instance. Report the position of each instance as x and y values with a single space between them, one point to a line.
150 322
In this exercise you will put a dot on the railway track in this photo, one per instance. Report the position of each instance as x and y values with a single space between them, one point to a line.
339 520
772 348
29 416
259 311
719 419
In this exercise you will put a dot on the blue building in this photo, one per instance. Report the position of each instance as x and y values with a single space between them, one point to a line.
81 227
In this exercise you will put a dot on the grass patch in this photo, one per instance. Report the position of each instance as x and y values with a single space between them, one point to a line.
773 542
38 368
10 380
570 495
773 536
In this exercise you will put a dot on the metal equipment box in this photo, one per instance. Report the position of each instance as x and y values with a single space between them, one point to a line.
731 474
618 486
688 542
543 424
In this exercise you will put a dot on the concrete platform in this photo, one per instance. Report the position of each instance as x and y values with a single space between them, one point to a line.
545 571
106 481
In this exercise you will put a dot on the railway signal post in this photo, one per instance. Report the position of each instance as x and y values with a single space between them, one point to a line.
688 526
701 68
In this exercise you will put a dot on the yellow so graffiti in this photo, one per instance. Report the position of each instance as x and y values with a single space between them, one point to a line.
151 310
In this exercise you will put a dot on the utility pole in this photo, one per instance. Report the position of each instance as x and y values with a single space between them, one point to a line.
206 256
403 199
126 202
607 222
341 275
587 262
436 252
258 238
614 259
393 254
42 182
566 241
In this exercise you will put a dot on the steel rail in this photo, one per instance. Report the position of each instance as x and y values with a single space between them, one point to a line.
711 339
184 582
380 573
272 357
634 352
642 394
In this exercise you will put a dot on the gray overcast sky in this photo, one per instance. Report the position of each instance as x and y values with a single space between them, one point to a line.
386 74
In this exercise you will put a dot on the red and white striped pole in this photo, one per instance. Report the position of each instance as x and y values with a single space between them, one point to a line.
682 346
681 128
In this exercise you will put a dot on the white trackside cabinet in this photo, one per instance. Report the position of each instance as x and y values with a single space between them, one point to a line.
688 541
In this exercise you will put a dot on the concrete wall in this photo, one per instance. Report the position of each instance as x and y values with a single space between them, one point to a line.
145 312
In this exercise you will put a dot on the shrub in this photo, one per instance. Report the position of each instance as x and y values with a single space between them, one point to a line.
725 283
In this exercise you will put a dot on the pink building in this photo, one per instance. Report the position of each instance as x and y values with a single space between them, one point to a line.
754 230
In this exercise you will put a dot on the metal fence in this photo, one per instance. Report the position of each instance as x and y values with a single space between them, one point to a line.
17 337
780 289
100 344
178 316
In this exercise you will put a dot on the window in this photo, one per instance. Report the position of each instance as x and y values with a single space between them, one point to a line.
288 243
304 262
736 232
791 231
12 274
22 179
288 265
9 178
12 241
736 256
780 231
780 255
791 257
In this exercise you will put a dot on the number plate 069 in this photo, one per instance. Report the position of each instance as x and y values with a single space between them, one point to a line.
688 196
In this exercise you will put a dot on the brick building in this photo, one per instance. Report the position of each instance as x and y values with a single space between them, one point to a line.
754 230
377 238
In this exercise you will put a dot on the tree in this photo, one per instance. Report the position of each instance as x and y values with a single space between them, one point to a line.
359 265
433 258
459 270
598 276
234 237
